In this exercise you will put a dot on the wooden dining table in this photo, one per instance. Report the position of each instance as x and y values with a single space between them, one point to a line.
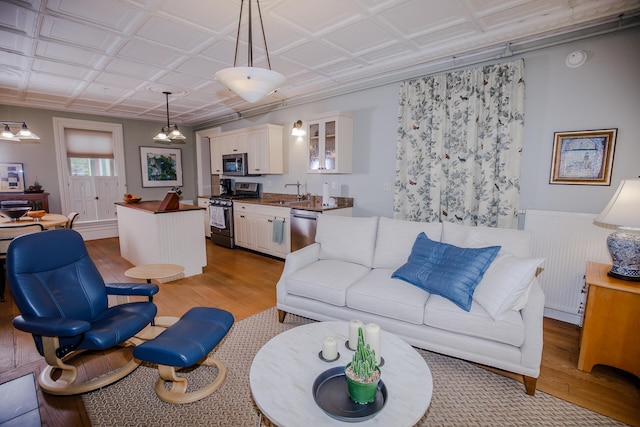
48 221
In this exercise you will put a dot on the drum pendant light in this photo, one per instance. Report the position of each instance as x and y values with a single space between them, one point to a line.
250 83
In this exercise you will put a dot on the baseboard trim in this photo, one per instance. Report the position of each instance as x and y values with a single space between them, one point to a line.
95 230
563 316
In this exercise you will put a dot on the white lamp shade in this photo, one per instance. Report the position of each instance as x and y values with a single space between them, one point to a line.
25 133
176 134
623 209
250 83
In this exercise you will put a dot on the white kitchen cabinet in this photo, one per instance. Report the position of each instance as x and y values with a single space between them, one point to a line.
203 202
264 150
330 142
263 145
254 228
244 230
216 156
225 143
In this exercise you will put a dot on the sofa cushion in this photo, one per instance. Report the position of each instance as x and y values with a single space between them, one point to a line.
326 280
516 242
506 283
442 314
347 238
396 237
446 270
380 294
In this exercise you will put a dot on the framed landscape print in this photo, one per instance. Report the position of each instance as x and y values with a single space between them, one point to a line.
11 178
161 167
583 157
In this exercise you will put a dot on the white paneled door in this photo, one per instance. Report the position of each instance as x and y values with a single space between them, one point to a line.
93 197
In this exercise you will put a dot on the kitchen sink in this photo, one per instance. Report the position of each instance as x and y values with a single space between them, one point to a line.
289 202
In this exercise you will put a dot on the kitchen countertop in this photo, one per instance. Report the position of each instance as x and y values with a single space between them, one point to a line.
289 201
151 206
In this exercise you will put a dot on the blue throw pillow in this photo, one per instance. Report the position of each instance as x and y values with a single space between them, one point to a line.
446 270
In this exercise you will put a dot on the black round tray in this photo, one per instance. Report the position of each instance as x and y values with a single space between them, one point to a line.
331 395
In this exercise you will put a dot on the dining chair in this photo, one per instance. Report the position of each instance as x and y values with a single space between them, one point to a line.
72 217
7 234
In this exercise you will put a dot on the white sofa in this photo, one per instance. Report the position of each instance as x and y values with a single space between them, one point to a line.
347 274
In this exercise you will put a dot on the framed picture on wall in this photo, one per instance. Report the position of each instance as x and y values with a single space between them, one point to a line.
583 157
11 178
161 167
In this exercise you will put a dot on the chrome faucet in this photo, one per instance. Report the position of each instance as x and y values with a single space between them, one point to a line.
297 184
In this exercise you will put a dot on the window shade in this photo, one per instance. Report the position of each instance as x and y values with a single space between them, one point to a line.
84 143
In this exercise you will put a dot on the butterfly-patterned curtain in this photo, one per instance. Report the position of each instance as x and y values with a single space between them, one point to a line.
460 139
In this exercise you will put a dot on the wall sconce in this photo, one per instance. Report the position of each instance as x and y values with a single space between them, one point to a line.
23 133
297 129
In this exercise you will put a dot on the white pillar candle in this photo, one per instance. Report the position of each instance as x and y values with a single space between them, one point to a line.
329 348
372 337
354 325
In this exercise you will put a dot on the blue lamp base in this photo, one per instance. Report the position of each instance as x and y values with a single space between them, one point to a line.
624 247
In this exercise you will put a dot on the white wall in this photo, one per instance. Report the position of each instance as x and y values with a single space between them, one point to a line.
39 158
603 93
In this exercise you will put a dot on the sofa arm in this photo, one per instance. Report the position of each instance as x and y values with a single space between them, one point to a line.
294 262
532 316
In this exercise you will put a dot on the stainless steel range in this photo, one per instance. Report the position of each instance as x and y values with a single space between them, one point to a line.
221 212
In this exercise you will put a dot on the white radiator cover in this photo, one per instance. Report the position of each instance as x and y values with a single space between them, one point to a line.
567 241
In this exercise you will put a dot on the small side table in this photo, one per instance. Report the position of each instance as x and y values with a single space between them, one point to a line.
162 273
159 272
611 322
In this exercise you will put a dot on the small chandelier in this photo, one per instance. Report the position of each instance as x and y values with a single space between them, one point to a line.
169 134
23 133
250 83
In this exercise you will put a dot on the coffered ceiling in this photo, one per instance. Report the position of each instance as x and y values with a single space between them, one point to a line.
116 57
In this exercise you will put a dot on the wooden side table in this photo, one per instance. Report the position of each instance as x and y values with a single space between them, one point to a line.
159 272
610 334
162 273
38 201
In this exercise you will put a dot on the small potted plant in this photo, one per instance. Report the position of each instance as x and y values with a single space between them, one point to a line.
36 187
362 373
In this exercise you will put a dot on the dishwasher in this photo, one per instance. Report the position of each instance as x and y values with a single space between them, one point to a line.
303 228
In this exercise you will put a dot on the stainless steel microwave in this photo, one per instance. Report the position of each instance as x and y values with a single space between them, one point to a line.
235 164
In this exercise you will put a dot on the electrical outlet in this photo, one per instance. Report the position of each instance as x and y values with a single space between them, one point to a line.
386 186
335 185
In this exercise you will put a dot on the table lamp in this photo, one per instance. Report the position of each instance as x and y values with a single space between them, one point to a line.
623 212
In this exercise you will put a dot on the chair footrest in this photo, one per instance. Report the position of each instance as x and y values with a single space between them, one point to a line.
189 340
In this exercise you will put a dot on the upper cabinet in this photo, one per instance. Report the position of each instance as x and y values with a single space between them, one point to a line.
263 145
330 139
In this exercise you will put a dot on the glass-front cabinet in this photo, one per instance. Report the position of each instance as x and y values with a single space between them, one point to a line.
330 139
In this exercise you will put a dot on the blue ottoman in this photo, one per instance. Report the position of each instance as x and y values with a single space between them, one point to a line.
185 343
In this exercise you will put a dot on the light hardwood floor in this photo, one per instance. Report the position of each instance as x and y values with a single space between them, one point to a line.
244 283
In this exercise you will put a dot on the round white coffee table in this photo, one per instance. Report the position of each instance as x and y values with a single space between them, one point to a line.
284 370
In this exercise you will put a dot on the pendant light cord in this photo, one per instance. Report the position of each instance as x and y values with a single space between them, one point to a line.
167 95
250 39
264 37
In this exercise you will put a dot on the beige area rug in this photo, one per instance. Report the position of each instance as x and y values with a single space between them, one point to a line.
463 394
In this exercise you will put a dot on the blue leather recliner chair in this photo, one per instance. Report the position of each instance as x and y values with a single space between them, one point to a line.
63 303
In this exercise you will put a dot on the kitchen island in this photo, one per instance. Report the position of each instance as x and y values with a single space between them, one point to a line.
152 236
